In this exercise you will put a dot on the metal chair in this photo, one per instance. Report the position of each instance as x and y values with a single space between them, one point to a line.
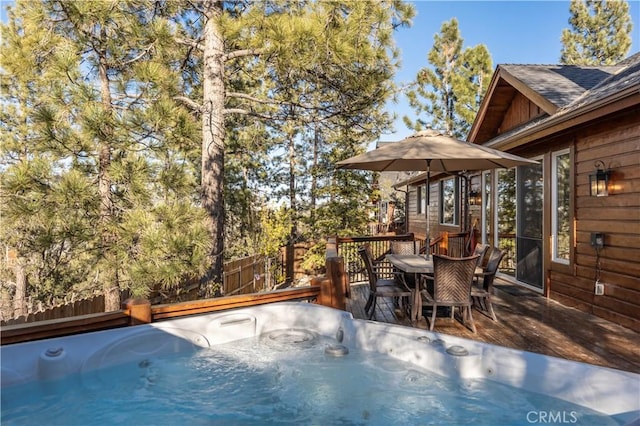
483 289
452 281
383 287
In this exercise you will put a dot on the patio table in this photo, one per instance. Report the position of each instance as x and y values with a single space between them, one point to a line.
415 264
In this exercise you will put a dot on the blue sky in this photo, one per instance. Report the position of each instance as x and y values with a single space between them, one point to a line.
515 32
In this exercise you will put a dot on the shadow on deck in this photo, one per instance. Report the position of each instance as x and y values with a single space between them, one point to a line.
530 322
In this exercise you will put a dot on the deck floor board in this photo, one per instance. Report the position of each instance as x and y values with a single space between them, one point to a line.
530 322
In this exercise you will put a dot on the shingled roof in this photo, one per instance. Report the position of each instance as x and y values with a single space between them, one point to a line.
560 84
628 76
615 82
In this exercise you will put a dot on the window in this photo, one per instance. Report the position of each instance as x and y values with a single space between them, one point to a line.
449 201
487 209
419 199
560 206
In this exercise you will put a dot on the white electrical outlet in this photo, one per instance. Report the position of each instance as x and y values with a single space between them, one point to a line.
599 288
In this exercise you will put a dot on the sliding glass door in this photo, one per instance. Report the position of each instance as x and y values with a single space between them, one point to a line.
530 192
513 221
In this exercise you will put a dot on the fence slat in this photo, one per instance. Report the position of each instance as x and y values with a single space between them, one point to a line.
239 278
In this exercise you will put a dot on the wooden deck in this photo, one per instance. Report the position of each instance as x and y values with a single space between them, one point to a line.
530 322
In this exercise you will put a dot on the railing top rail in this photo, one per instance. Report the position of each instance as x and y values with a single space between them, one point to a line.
93 322
365 239
229 302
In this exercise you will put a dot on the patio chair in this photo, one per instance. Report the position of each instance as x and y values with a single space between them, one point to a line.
483 288
405 247
452 281
481 250
383 287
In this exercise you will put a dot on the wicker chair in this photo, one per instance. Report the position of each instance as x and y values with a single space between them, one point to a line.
383 287
452 281
483 288
481 250
405 247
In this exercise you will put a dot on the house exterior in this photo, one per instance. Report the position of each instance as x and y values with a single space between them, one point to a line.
561 240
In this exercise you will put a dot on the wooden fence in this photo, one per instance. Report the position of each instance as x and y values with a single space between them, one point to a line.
327 290
79 307
242 276
246 275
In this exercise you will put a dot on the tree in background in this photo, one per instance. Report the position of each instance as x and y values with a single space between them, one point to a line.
127 106
299 62
599 34
97 170
447 95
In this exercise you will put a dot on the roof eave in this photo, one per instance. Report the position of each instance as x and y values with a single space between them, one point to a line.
484 105
558 122
501 73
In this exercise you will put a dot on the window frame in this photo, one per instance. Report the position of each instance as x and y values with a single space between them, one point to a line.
554 207
455 196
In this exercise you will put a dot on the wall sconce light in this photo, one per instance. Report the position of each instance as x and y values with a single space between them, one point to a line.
599 180
475 198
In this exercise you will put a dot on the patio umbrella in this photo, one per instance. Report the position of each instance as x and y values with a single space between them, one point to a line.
432 151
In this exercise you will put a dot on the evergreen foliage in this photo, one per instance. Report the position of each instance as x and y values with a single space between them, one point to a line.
599 34
140 139
447 95
98 150
289 65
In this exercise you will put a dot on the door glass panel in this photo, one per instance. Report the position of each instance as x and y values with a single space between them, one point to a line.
529 230
506 217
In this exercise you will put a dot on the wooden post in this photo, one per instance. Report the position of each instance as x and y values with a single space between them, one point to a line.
333 289
139 310
324 298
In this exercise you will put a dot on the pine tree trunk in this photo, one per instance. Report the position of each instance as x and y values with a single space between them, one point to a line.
314 181
110 286
213 143
20 298
294 213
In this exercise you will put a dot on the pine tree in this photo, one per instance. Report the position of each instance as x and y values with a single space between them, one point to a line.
297 60
447 95
600 33
96 106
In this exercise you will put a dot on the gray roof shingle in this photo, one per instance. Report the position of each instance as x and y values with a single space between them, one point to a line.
560 84
624 75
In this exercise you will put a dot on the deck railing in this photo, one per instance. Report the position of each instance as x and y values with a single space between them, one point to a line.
140 311
452 244
343 266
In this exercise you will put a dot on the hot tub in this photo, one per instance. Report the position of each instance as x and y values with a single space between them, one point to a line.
293 363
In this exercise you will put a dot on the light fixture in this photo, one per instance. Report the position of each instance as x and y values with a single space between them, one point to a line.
599 180
475 198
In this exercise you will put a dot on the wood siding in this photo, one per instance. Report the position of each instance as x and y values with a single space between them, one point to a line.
417 221
521 111
616 142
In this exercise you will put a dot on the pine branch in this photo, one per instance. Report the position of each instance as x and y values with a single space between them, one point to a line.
243 52
191 43
138 57
194 106
246 112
